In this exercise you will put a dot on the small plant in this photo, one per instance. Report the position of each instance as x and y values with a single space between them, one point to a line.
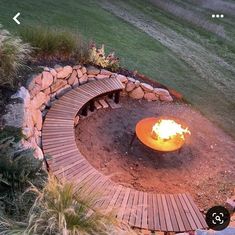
51 42
97 57
17 166
10 131
13 57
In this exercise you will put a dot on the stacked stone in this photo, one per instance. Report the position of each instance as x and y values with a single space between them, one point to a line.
138 90
51 84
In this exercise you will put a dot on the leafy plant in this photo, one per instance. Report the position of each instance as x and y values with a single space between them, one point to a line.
60 209
13 57
17 166
10 131
97 57
51 42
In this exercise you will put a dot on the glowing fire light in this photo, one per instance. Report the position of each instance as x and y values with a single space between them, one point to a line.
167 129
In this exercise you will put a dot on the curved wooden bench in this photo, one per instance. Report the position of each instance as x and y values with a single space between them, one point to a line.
156 212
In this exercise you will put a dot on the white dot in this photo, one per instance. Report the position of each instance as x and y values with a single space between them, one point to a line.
217 15
222 16
213 16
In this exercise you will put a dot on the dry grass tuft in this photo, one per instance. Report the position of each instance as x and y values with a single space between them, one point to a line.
13 57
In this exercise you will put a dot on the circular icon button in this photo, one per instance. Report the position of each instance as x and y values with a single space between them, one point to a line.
217 218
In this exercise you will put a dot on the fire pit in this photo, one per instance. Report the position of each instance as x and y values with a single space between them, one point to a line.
161 134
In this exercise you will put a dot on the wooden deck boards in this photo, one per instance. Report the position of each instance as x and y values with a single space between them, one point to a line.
155 212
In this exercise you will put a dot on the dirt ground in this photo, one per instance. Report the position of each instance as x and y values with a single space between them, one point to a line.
205 167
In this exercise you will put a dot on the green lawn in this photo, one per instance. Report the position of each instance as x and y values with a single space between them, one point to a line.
209 91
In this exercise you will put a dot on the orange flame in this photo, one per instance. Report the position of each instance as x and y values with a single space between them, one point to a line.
167 129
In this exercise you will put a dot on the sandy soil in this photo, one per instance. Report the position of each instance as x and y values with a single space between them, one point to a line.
205 167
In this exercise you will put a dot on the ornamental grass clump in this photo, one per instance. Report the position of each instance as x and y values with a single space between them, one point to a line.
13 58
53 43
63 210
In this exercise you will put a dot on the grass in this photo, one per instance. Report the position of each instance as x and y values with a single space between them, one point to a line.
13 57
61 209
51 42
210 92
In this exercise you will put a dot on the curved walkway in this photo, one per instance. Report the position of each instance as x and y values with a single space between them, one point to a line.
156 212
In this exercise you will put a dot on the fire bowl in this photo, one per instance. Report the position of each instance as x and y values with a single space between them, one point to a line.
161 134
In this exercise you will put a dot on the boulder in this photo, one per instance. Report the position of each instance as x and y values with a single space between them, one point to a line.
84 70
47 91
131 79
77 67
91 70
122 78
150 96
105 72
137 83
38 79
59 84
37 119
63 90
161 91
35 90
166 98
65 72
76 120
28 119
38 100
146 87
46 68
23 95
53 72
38 153
47 80
230 205
91 79
130 86
27 132
72 77
137 93
75 83
100 76
83 79
58 68
79 73
43 107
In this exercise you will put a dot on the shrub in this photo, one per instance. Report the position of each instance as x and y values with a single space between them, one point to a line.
11 131
60 209
17 166
50 42
97 57
13 57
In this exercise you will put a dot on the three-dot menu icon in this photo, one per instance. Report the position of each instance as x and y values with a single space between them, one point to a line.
217 15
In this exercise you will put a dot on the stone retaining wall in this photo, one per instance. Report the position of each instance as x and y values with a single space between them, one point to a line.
29 106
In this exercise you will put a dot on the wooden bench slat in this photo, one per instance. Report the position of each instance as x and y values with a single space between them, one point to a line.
138 221
124 203
128 211
186 210
167 213
156 213
199 214
177 213
133 214
192 211
151 216
145 212
161 213
172 214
